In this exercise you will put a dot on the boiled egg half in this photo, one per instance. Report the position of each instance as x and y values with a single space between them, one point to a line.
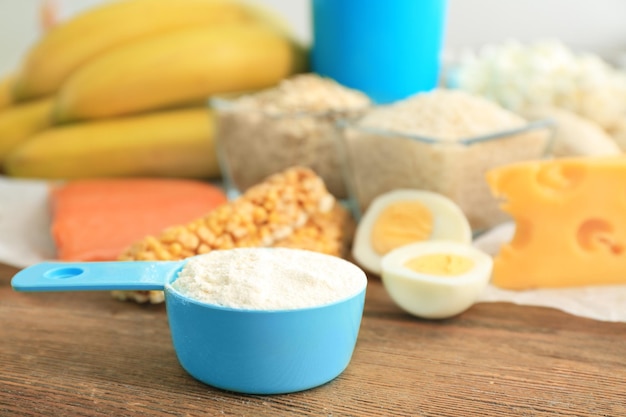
436 279
405 216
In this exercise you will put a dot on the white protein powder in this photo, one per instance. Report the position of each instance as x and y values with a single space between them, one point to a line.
269 278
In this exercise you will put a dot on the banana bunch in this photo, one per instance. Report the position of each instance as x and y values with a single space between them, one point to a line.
6 91
121 89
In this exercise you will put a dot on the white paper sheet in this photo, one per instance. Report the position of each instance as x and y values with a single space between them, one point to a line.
25 239
24 222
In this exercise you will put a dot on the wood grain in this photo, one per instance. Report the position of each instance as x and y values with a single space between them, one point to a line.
86 354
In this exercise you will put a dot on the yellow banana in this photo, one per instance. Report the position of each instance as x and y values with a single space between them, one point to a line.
163 144
69 45
20 121
6 93
176 68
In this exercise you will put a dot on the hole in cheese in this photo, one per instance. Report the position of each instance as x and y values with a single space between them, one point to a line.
523 233
440 264
597 234
401 223
561 177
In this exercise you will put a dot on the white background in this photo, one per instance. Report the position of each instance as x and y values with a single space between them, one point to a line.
594 25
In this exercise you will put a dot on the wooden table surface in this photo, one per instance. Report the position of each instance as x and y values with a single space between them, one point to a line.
86 354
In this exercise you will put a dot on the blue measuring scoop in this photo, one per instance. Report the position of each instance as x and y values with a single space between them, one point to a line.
241 350
81 276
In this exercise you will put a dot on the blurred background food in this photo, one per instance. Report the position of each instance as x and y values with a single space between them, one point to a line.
110 90
232 92
293 123
592 26
522 76
442 141
90 224
103 68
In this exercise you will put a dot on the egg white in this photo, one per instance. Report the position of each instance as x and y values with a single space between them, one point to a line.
431 296
449 223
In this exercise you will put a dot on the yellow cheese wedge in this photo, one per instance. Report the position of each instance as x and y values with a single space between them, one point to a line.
570 222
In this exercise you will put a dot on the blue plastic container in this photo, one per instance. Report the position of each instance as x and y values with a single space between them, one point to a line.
387 49
248 351
264 352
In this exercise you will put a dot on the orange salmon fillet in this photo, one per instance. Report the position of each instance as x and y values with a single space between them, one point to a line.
96 219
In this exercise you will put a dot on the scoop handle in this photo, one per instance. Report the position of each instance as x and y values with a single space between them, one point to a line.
79 276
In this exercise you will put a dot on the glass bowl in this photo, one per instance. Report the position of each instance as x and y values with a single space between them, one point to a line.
253 144
376 161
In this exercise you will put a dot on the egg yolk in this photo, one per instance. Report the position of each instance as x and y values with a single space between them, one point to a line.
401 223
440 264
